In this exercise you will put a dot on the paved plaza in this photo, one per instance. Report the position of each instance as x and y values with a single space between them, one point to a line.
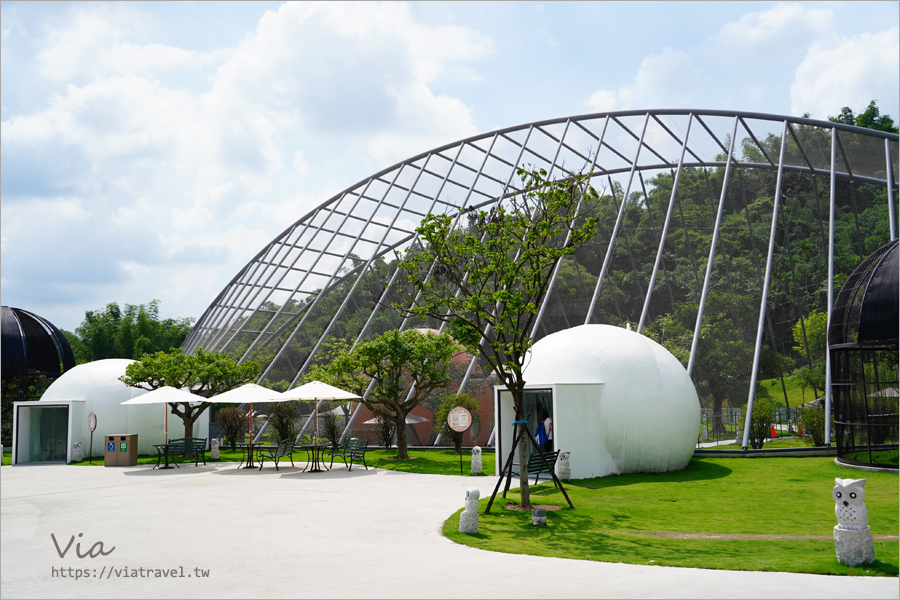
223 532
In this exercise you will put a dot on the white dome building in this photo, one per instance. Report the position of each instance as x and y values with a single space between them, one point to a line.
620 402
45 431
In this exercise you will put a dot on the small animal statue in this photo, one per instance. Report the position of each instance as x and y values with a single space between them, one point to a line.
476 461
468 519
849 507
563 468
77 454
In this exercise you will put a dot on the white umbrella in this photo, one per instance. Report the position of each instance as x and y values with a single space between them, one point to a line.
410 420
249 393
166 395
315 391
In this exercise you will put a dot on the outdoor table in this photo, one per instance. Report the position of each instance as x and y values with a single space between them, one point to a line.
164 450
248 448
314 452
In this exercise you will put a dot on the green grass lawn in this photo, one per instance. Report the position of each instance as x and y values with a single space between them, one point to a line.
778 442
672 518
795 393
437 461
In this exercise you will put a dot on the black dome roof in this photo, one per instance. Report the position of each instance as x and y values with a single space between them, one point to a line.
866 308
32 343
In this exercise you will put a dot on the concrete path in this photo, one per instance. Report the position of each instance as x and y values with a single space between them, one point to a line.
225 532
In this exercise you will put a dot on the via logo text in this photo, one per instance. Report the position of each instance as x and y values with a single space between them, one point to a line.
95 551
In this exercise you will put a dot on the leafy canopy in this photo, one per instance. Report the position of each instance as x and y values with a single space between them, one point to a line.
204 373
393 362
487 277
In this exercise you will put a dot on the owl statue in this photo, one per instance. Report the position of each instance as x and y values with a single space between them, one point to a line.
849 506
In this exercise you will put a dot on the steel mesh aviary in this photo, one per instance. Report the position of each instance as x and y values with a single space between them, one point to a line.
718 232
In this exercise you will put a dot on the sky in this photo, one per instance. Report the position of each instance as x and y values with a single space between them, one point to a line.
149 150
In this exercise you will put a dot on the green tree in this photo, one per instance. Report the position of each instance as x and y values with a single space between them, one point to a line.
812 346
487 279
204 373
871 118
129 333
406 367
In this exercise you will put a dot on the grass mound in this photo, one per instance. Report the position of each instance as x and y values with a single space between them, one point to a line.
748 514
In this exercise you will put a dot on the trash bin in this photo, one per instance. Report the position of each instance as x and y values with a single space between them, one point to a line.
121 450
127 446
111 454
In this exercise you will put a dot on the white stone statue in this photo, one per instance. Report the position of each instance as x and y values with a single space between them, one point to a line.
563 466
214 449
853 543
468 520
476 461
77 454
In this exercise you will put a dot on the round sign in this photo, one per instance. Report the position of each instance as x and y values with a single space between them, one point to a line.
459 419
92 421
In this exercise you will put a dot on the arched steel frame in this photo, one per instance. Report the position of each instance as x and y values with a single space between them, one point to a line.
273 300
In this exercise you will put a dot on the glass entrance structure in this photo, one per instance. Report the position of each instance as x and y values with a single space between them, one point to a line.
720 233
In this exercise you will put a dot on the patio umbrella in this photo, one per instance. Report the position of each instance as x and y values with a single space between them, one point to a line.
410 420
247 393
315 391
165 395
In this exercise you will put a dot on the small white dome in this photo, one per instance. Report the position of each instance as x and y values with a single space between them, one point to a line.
96 381
97 384
649 410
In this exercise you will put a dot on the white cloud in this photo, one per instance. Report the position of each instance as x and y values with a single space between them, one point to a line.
784 19
848 71
175 187
668 79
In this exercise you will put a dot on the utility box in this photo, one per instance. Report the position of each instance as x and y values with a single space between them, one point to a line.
121 450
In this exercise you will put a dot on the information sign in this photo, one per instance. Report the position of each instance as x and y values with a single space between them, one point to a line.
92 421
459 419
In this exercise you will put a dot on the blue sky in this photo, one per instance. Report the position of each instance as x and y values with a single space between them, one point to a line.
149 150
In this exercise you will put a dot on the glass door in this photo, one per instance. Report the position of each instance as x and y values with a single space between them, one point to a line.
49 433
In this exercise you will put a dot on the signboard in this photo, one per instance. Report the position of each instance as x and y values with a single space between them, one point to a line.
123 446
110 446
92 421
459 419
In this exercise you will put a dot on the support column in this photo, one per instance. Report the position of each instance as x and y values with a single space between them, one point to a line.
751 394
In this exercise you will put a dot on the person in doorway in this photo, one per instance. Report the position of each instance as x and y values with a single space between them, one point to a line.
545 433
548 425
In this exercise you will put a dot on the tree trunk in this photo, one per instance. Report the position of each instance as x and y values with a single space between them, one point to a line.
718 427
400 424
524 490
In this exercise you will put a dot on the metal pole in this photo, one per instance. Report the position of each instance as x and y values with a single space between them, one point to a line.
832 193
712 252
665 229
765 292
612 238
890 190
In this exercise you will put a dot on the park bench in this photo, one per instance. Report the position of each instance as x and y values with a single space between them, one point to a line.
354 449
191 446
285 448
536 464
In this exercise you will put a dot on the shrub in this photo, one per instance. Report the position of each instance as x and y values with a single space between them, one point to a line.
385 432
812 419
330 428
283 421
760 421
235 423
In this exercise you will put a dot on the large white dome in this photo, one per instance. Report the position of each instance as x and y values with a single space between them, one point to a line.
649 413
97 384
